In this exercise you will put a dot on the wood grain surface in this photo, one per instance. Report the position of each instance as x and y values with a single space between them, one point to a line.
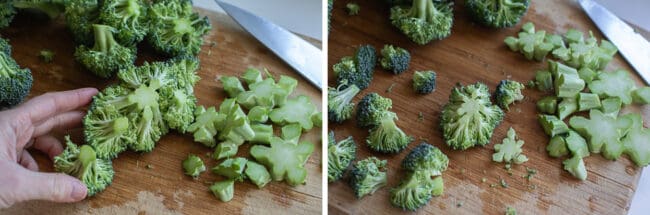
164 189
476 54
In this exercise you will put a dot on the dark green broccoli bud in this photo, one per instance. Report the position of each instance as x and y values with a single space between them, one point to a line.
353 8
193 166
386 137
257 174
339 103
128 17
469 118
365 58
370 109
82 163
424 21
80 16
427 158
259 114
497 14
7 13
285 159
224 190
53 8
424 82
46 55
508 92
296 110
394 59
368 176
232 168
176 29
415 191
15 83
340 155
106 56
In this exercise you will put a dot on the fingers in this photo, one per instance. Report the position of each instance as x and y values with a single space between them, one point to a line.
27 161
49 104
55 187
48 145
59 122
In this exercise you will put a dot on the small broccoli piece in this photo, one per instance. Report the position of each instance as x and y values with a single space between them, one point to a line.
263 133
15 83
508 92
180 104
611 106
576 144
232 86
641 95
339 103
296 110
557 147
232 168
637 142
532 44
586 74
175 29
426 158
258 114
193 166
79 18
544 80
603 132
424 20
509 150
511 211
365 58
469 118
614 84
567 107
567 81
46 55
587 101
285 159
576 166
415 191
257 174
394 59
82 163
357 70
352 8
340 155
497 14
552 125
267 93
370 110
128 18
224 190
386 137
225 149
107 55
424 82
7 13
547 105
204 128
367 176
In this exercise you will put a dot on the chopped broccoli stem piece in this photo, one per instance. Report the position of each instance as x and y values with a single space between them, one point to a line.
414 191
224 190
637 142
424 20
232 168
386 137
603 132
225 150
296 110
611 106
497 14
544 80
82 163
614 84
15 83
232 86
252 75
557 147
285 160
576 144
585 53
509 150
426 158
586 74
263 133
258 114
368 176
641 95
552 125
46 55
257 174
339 104
532 44
438 186
424 82
193 166
547 105
204 128
568 85
567 107
587 101
394 59
352 8
340 155
576 166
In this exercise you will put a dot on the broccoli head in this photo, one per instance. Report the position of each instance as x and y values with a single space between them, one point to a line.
15 83
386 137
107 55
370 109
339 103
416 190
176 29
285 159
340 155
394 59
193 166
424 82
82 163
128 17
424 21
367 176
80 16
469 118
357 70
604 132
257 174
509 150
426 158
497 14
508 92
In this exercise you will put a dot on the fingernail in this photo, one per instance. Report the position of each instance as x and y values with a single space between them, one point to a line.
78 190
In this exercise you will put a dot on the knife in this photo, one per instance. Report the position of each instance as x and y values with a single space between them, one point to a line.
632 46
298 53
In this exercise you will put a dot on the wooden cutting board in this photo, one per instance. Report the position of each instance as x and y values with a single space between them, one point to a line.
164 189
476 54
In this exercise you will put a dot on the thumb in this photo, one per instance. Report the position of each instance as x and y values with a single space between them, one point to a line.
56 187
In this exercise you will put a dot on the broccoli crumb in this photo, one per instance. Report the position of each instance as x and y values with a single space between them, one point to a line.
511 211
459 204
390 88
46 55
353 8
503 183
483 180
149 166
530 173
493 185
420 117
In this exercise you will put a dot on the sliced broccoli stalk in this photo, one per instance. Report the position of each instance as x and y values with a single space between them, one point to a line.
567 107
544 80
614 84
636 143
225 149
232 86
469 118
224 190
129 18
394 59
611 106
232 168
365 58
557 147
107 55
414 191
547 105
585 53
552 125
352 8
317 119
204 128
530 43
497 14
424 82
339 103
267 93
285 160
426 158
576 144
291 133
251 76
370 110
175 29
193 166
586 74
424 20
257 174
568 85
263 133
367 176
556 40
641 95
558 69
297 110
587 101
574 36
15 83
259 114
603 132
509 150
576 166
386 137
340 155
82 163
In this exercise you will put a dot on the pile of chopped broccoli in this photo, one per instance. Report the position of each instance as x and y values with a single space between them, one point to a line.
257 174
262 92
424 20
508 92
367 176
107 56
509 150
374 112
175 29
15 83
353 8
339 103
193 166
394 59
585 53
547 105
82 163
424 82
636 142
544 80
340 155
497 14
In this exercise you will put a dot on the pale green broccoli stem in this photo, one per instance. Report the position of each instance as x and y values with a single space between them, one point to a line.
586 74
258 114
636 141
547 105
641 95
252 76
224 190
614 84
225 150
509 150
263 133
353 8
567 107
544 80
257 174
532 44
604 132
193 166
291 132
587 101
104 40
611 106
232 86
574 36
576 166
232 168
438 186
557 147
568 86
552 125
576 144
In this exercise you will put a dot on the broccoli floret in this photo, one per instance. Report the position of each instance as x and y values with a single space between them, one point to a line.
193 166
367 176
532 44
637 141
352 8
394 59
614 84
604 132
340 155
386 137
339 103
469 118
357 70
46 55
365 59
176 29
82 163
424 82
108 131
128 17
497 14
296 110
15 83
180 104
509 150
7 13
576 166
266 92
263 133
370 110
424 20
285 159
232 168
80 15
224 190
415 191
426 158
641 95
204 128
107 55
508 92
547 105
53 8
257 174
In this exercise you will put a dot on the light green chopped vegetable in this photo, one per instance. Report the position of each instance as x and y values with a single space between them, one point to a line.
46 55
552 125
576 144
586 74
232 86
224 190
285 159
509 150
614 84
508 92
257 174
232 168
547 105
641 95
511 211
193 166
576 166
611 106
259 114
603 132
353 8
225 150
530 43
587 101
637 141
544 80
266 93
557 147
567 107
204 128
296 110
263 133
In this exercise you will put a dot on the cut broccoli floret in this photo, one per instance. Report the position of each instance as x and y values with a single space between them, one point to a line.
509 150
340 155
532 44
637 142
232 168
365 59
107 56
557 147
603 132
296 110
193 166
394 59
386 137
614 84
285 160
106 129
339 103
175 29
415 191
15 83
79 18
547 105
576 166
370 109
641 95
552 125
497 14
469 118
566 107
424 20
82 163
257 174
357 70
426 158
508 92
368 176
128 17
352 8
587 101
224 190
424 82
204 128
7 13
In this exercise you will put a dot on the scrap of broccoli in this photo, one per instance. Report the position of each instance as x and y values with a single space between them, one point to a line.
370 108
232 86
53 8
285 159
367 176
106 56
469 118
532 44
424 82
587 101
611 106
497 14
15 83
7 13
637 141
384 136
257 174
265 92
587 74
193 166
508 92
576 144
547 105
424 20
426 158
232 168
82 163
80 16
416 190
394 59
339 103
128 17
205 126
568 106
296 110
340 155
352 8
614 84
234 129
552 125
604 132
511 211
641 95
108 131
567 83
509 150
557 147
175 29
46 55
263 133
576 166
224 190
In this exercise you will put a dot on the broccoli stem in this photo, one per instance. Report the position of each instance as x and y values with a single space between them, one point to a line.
87 155
104 40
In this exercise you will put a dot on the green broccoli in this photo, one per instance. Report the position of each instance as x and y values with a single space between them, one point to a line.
80 15
257 174
340 155
544 80
234 129
265 92
604 132
394 59
107 56
416 190
82 163
587 74
509 150
53 8
128 18
424 20
263 133
46 55
232 86
352 8
175 29
384 136
576 166
567 83
15 83
611 106
339 103
614 84
547 105
511 211
576 144
552 125
585 53
285 159
532 44
636 142
567 106
508 92
557 147
367 176
370 108
7 13
424 82
497 14
193 166
224 190
205 126
426 158
232 168
469 118
641 95
295 110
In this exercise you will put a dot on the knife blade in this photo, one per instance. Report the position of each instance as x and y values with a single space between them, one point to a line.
298 53
634 48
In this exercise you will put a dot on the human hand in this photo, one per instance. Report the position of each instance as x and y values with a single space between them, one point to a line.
29 125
